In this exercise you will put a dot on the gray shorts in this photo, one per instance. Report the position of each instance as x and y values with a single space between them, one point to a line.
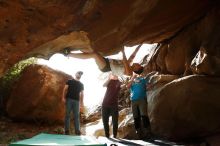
107 68
139 106
114 65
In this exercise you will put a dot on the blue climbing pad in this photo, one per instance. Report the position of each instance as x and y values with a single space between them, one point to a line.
57 139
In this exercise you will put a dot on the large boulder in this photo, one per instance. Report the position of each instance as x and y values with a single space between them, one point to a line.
37 95
186 108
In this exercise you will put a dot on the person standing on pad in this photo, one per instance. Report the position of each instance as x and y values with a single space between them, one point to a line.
138 86
110 104
73 99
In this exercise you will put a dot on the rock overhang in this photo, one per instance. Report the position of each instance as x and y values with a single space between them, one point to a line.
42 28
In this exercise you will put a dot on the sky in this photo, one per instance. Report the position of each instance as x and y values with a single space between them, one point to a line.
92 78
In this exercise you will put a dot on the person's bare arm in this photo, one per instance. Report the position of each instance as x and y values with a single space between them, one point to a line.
127 67
64 93
99 59
81 55
131 58
82 101
82 97
106 82
128 85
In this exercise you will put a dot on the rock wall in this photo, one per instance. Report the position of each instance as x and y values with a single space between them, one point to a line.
186 108
42 28
180 55
37 95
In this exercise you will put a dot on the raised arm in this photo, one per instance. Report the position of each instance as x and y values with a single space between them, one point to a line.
131 58
128 85
127 67
100 60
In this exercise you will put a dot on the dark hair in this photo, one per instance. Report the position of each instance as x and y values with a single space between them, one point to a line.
139 71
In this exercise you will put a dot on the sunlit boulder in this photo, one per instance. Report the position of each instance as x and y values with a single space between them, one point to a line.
186 108
37 95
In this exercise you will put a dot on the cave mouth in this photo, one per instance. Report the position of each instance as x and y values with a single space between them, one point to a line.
92 76
69 66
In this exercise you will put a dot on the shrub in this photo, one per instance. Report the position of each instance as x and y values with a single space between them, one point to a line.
13 74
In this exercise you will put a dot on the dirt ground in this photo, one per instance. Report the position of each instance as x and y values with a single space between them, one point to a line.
13 131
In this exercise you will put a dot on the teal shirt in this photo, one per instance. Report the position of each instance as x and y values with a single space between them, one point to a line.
138 88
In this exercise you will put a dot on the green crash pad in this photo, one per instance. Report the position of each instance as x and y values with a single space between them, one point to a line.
57 139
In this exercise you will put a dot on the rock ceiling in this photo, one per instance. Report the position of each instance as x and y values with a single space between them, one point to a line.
44 27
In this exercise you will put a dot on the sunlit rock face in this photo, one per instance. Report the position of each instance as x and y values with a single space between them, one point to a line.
37 95
126 124
198 40
41 28
204 63
186 108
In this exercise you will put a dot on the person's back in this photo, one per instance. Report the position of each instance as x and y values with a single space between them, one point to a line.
111 94
74 88
110 104
72 97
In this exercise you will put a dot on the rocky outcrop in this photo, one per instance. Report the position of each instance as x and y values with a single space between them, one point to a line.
37 95
175 56
181 109
208 64
186 108
41 28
